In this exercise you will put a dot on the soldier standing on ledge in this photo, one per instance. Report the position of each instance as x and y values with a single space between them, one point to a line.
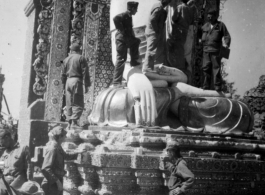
125 39
212 34
154 33
181 178
75 74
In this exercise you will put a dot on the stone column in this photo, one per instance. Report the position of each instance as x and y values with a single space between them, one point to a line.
58 51
97 49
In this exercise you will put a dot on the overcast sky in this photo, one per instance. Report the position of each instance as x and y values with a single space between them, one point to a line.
245 19
12 44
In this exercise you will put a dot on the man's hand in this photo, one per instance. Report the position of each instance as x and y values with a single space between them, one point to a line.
59 185
226 46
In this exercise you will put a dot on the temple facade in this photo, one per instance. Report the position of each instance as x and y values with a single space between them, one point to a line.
120 159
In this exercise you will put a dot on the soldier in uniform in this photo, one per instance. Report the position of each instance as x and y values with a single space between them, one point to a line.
16 163
213 33
75 74
179 21
125 39
154 33
53 163
181 178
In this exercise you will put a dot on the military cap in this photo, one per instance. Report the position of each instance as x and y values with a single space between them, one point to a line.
132 4
172 145
4 132
29 187
212 11
58 130
75 47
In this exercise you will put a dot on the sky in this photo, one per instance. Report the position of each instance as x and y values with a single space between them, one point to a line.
245 20
12 43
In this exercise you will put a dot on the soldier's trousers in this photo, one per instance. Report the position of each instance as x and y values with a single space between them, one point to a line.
74 98
176 50
212 71
151 51
51 189
122 47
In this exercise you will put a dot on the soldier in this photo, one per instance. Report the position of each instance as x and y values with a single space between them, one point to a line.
16 160
178 24
154 33
75 74
125 38
181 178
53 163
213 33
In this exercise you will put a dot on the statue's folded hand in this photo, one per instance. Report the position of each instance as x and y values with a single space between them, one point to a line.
144 96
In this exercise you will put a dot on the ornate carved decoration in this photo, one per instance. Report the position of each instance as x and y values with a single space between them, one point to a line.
111 160
43 47
58 51
145 162
97 49
142 171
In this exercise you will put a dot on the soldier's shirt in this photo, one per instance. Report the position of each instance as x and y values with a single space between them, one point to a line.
16 161
53 163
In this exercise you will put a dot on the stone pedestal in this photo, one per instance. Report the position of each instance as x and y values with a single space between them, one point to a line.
119 161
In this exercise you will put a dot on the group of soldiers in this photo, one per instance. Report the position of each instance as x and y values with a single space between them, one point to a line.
176 23
172 28
16 176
